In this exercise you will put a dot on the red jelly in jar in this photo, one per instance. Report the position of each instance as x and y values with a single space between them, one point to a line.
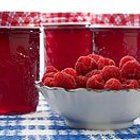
19 69
117 42
65 43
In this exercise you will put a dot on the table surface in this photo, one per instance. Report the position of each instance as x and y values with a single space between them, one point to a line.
47 125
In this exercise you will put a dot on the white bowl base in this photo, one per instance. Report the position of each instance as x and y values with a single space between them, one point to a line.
111 126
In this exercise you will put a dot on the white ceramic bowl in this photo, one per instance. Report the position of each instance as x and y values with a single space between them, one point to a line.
94 109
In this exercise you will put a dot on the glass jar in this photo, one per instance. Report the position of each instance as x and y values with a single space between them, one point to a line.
19 69
117 42
65 43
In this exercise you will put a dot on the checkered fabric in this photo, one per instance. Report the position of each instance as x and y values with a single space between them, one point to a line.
47 18
110 20
47 125
36 19
19 19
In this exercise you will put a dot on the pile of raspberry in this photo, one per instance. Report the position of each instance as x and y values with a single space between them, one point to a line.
96 72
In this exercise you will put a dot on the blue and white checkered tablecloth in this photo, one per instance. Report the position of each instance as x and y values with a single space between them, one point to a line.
47 125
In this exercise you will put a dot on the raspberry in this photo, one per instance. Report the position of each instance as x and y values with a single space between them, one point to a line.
51 69
122 79
125 59
131 84
49 81
102 62
95 57
70 71
95 82
113 84
85 64
138 81
93 72
50 74
64 80
81 81
110 72
131 70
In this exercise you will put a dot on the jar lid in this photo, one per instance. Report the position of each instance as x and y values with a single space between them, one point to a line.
115 20
19 19
48 19
36 19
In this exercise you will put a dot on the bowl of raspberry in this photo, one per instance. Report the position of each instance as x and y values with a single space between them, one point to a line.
96 93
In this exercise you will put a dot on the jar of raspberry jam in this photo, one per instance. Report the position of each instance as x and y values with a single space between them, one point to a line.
64 43
19 69
117 42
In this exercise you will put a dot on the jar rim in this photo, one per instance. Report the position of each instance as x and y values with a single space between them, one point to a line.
66 25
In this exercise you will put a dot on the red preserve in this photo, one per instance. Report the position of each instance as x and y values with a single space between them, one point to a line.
65 43
19 69
117 42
